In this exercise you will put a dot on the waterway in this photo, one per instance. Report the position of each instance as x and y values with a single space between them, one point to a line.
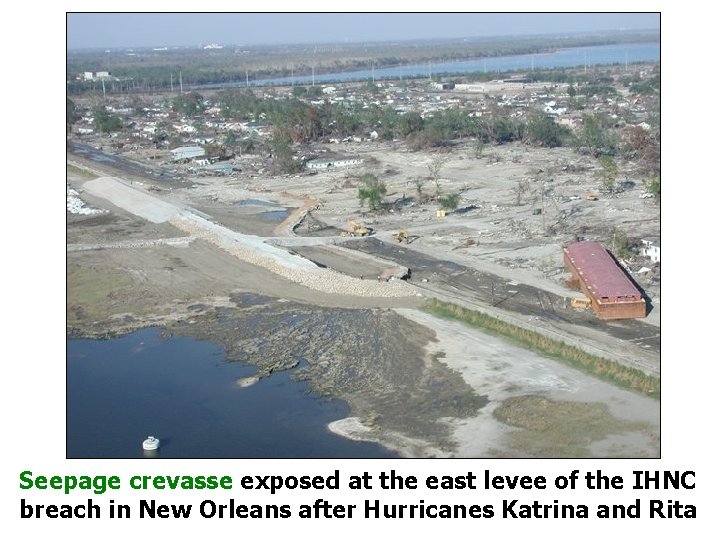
185 393
561 58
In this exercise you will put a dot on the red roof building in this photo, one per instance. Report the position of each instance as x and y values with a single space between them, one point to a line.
612 293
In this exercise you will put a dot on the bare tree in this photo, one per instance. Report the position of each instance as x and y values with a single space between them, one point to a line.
521 188
419 182
435 166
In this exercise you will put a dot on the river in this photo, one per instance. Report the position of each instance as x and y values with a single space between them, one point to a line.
561 58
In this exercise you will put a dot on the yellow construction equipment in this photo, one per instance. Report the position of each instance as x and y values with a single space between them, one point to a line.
355 229
591 197
580 303
401 235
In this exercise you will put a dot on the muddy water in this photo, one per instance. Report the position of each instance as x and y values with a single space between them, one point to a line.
374 359
185 393
315 365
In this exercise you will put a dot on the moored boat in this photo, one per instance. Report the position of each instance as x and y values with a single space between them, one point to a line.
151 443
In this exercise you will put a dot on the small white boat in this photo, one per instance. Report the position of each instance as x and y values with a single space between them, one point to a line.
151 443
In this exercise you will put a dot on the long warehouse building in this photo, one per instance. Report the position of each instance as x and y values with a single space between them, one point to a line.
611 292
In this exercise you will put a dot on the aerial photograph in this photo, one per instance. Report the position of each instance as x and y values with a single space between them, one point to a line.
363 235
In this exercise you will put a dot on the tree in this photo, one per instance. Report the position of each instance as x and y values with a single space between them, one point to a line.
230 139
106 122
435 166
283 158
595 138
449 201
71 115
521 188
372 190
188 104
644 146
425 138
419 183
652 185
214 150
621 244
543 131
478 147
247 146
608 172
409 123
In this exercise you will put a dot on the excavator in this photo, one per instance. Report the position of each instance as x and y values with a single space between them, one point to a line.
355 229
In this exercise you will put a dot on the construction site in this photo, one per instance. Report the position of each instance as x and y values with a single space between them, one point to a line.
164 253
357 271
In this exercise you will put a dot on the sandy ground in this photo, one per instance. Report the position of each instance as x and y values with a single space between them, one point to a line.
163 253
499 371
246 247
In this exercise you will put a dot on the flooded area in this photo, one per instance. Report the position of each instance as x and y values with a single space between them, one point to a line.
254 202
186 393
274 215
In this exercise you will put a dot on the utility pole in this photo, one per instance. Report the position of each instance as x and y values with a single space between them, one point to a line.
171 83
247 80
181 81
313 75
102 80
542 199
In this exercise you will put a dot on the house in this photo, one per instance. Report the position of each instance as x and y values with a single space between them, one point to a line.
651 249
187 152
92 75
332 163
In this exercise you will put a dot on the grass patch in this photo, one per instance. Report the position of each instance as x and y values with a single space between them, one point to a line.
77 171
91 292
597 366
560 429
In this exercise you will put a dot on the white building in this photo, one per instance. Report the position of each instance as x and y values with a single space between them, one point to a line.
651 249
330 163
187 152
92 75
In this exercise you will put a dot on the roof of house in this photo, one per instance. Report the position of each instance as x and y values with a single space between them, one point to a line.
187 149
600 272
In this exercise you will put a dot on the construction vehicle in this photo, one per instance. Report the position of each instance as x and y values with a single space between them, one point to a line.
355 229
591 197
401 235
580 303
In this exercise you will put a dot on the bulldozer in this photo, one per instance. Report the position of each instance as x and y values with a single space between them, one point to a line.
401 235
580 303
356 229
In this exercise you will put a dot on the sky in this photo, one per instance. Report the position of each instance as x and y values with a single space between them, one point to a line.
112 30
